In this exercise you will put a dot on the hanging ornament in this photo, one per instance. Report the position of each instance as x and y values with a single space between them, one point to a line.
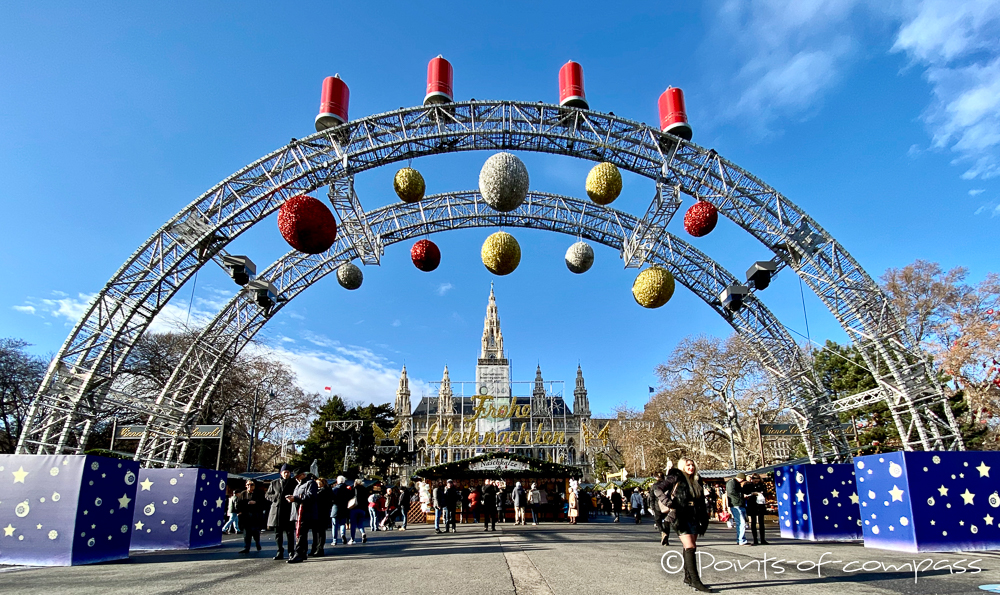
307 224
701 218
579 257
604 183
653 287
409 185
349 276
501 253
425 255
503 182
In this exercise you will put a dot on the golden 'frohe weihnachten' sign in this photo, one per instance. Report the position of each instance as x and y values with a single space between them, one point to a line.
468 436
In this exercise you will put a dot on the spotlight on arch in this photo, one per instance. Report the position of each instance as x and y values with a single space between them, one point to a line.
759 274
240 268
732 297
264 293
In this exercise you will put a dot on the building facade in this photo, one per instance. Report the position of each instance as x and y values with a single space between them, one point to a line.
495 414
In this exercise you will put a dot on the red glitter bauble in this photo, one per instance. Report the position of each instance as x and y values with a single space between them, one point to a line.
307 224
426 255
701 218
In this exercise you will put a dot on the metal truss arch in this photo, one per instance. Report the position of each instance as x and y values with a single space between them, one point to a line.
76 384
198 373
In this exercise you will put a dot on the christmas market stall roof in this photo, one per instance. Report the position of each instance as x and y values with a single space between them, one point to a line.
499 464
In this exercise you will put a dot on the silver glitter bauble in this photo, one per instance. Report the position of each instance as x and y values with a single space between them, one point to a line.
579 257
503 182
349 276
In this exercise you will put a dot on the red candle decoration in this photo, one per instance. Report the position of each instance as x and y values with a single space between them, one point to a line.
701 218
307 224
425 255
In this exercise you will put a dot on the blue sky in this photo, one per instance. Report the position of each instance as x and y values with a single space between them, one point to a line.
882 123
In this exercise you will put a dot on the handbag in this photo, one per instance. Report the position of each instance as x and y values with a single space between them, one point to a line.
725 517
352 503
760 499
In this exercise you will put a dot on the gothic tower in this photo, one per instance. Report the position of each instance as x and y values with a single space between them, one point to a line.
539 404
403 395
581 405
492 368
492 337
445 407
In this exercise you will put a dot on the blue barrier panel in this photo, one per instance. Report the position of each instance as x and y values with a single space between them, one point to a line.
817 502
63 510
930 501
179 509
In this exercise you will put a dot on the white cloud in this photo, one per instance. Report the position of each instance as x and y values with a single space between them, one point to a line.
444 288
788 54
354 373
172 317
976 191
956 43
296 316
396 322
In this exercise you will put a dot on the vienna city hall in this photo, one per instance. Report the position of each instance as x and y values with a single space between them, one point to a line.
494 414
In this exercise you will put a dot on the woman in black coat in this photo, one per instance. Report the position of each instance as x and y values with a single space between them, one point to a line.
682 494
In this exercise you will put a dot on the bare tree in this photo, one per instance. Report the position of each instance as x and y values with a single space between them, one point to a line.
20 375
712 388
959 325
924 293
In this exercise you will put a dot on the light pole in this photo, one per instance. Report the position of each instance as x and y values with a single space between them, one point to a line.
253 425
730 417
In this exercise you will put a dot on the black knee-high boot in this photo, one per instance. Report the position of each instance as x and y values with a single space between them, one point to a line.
691 566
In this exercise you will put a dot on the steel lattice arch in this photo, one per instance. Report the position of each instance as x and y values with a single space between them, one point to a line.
78 383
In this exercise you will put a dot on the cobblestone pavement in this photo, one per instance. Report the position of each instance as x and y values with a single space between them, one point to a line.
597 557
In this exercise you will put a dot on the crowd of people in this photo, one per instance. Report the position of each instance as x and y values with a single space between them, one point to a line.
298 505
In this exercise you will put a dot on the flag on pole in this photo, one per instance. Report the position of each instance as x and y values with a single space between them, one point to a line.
326 388
651 389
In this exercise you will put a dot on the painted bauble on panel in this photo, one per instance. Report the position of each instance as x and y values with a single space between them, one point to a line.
701 218
604 183
501 253
579 257
409 185
307 224
503 182
425 255
653 287
349 276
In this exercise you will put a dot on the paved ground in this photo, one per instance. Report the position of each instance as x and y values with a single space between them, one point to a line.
588 558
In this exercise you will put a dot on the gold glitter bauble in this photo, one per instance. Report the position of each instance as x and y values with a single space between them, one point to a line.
501 253
604 183
653 287
409 185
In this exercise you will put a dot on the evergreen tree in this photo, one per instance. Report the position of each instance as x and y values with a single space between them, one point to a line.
330 447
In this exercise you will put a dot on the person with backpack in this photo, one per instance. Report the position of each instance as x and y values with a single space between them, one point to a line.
637 504
358 511
520 498
534 501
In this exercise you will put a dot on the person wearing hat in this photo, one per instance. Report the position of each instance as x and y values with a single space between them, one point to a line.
734 499
305 513
250 508
451 496
280 515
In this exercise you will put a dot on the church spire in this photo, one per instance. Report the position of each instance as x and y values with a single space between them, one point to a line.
403 394
581 405
539 404
445 394
492 337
